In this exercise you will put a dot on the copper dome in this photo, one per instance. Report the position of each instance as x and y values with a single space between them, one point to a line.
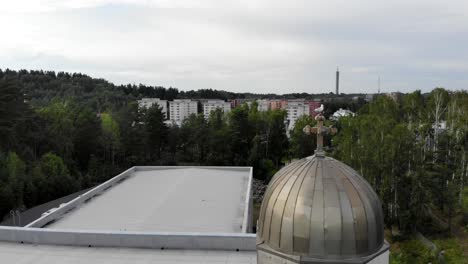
318 207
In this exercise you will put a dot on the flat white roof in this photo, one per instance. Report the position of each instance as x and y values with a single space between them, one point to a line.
167 199
28 253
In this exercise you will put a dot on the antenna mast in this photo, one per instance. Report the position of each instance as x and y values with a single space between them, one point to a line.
379 85
337 81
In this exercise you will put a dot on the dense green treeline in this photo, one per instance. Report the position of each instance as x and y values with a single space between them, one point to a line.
51 149
413 151
61 132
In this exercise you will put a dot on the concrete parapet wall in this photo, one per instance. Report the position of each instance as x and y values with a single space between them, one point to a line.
146 168
189 241
248 214
67 207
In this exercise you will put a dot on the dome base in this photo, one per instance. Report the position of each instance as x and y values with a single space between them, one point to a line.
267 255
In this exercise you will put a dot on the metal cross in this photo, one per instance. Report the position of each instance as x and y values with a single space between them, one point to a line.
320 130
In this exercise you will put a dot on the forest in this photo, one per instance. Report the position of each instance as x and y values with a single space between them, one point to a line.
62 132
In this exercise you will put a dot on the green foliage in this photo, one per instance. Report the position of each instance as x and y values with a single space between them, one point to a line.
452 250
110 127
12 177
15 167
413 165
111 136
12 111
59 118
277 141
218 132
16 170
465 199
194 134
132 135
53 166
7 199
264 169
242 137
52 178
156 131
411 251
87 136
302 145
74 132
241 134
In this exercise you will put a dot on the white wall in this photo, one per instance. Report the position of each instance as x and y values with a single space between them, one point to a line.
212 105
296 109
264 257
181 109
384 258
128 239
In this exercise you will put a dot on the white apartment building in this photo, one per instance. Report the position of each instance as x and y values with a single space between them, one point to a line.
212 105
180 109
149 102
296 109
263 105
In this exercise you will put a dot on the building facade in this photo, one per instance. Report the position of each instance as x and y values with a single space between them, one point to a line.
263 105
237 102
180 109
212 105
295 109
312 106
278 104
149 102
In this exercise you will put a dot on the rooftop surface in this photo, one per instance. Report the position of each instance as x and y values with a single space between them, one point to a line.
45 254
167 199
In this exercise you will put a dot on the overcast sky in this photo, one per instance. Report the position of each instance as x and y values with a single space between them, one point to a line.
244 45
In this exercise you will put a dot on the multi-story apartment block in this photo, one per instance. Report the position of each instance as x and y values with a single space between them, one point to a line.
149 102
278 104
180 109
296 109
312 106
237 102
263 105
211 105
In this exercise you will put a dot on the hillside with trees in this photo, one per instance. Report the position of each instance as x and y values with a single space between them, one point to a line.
61 133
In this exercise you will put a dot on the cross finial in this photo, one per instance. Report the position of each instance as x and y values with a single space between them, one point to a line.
320 130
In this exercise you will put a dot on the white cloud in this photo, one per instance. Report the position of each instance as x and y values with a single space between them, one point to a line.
262 46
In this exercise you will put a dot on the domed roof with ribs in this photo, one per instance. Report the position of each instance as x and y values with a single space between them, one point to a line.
321 208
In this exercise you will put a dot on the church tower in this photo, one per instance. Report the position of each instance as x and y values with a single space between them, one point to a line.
319 210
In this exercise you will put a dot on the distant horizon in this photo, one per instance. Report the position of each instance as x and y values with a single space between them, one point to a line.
266 46
236 92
